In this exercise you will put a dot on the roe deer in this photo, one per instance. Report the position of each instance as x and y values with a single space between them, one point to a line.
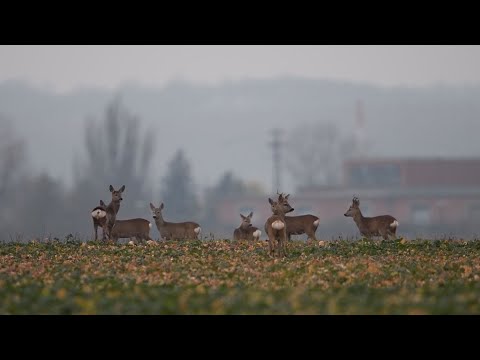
302 224
99 216
276 227
171 230
113 207
137 228
383 225
246 230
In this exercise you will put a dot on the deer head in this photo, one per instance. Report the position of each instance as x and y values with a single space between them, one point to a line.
157 212
246 220
354 208
117 194
281 205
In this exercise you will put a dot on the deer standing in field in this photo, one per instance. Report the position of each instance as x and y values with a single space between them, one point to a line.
105 215
383 225
302 224
246 230
99 216
113 207
276 227
171 230
132 228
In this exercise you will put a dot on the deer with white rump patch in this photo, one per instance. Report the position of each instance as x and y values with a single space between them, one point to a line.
276 227
302 224
246 230
105 215
99 217
171 230
383 225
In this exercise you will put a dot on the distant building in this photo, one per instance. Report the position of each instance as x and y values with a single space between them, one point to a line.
427 196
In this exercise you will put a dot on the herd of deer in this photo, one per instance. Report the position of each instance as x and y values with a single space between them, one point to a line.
105 216
278 227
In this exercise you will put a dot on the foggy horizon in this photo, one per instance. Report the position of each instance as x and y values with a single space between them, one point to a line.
66 68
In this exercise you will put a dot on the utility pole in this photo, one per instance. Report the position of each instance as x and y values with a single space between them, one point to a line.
276 145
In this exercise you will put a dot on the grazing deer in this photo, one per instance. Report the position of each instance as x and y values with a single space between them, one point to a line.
170 230
99 216
246 230
276 227
113 207
383 225
137 228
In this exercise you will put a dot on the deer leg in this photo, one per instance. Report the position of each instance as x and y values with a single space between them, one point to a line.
383 234
277 246
106 233
95 226
393 232
284 245
271 246
280 244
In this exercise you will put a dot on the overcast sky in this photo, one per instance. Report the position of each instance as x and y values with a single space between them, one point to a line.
63 68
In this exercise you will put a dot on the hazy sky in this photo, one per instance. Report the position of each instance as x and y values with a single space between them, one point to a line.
63 68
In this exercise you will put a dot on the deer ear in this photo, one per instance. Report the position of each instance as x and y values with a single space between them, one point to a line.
250 215
111 188
286 197
152 207
161 206
270 201
122 189
243 217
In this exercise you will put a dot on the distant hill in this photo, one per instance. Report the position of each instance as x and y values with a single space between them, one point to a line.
227 127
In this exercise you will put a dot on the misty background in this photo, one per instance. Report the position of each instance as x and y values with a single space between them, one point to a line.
189 142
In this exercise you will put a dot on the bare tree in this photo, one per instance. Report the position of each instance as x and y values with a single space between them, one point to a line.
178 191
12 157
117 153
38 209
116 149
12 173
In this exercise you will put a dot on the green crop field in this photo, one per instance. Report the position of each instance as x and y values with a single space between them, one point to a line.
226 277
